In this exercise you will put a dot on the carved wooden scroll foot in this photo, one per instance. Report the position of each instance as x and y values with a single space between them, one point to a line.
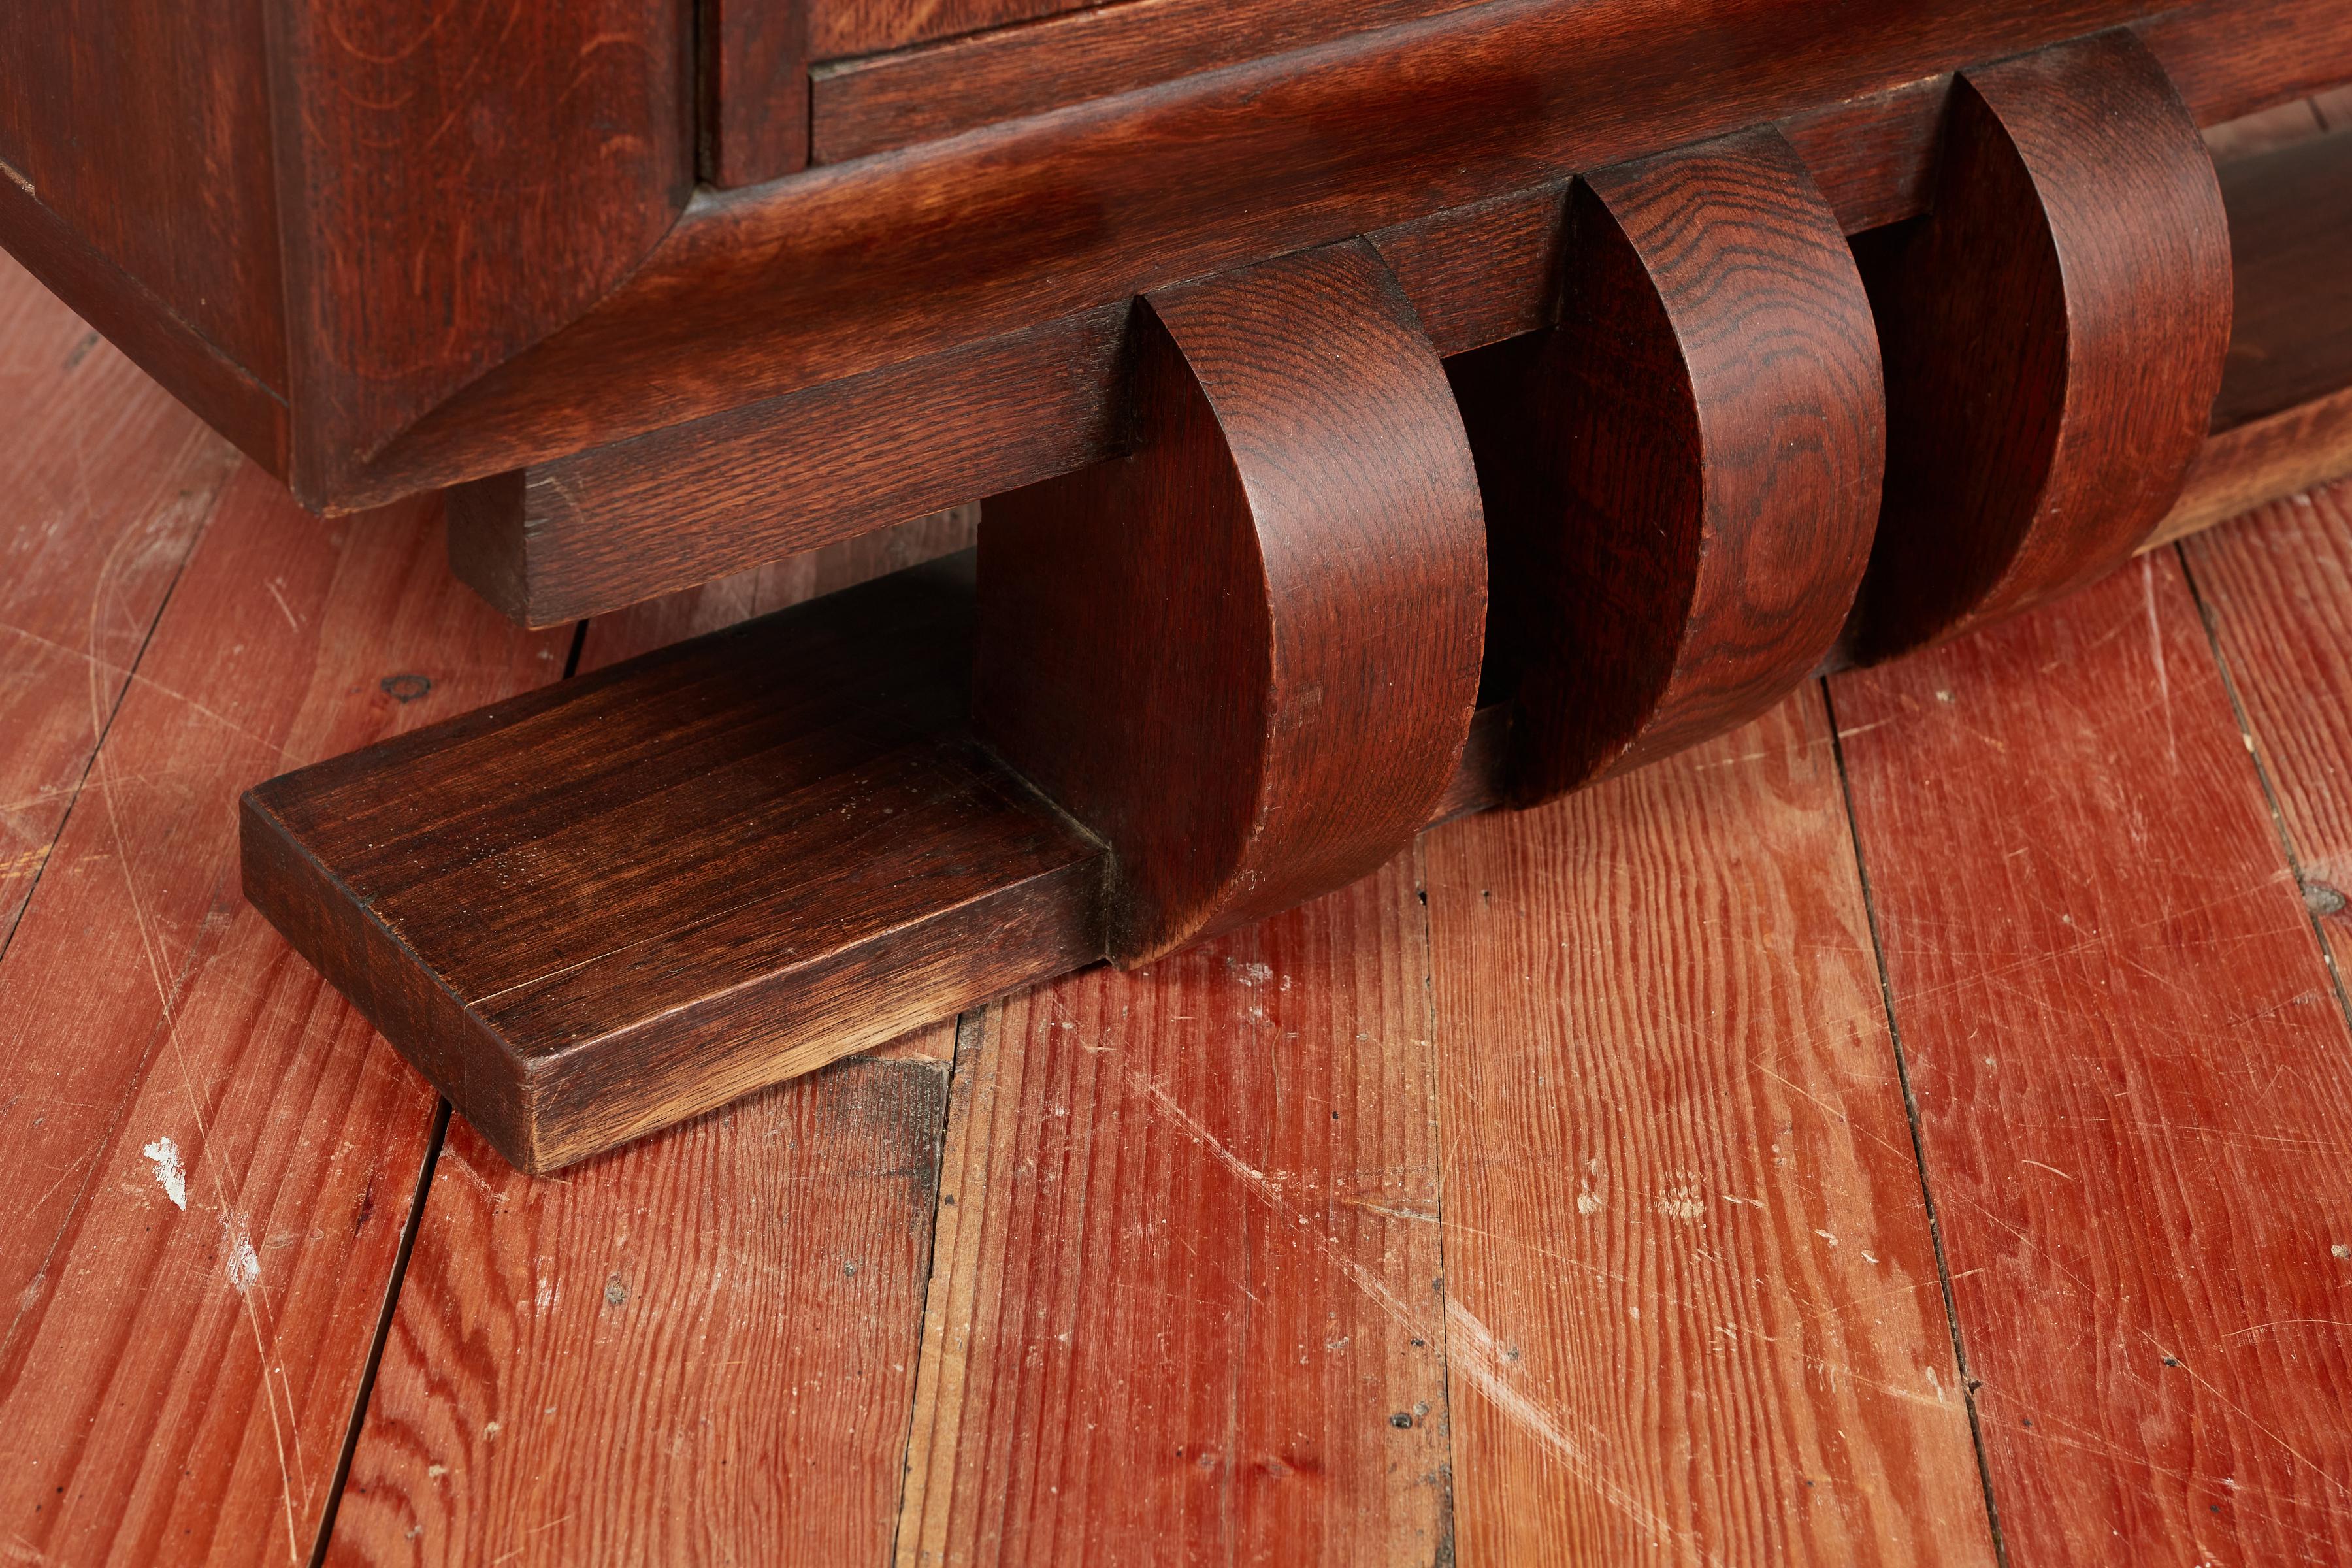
1682 476
2054 333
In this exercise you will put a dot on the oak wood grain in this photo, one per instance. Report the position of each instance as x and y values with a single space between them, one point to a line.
214 1156
141 127
588 533
594 911
1681 478
2053 335
1274 604
108 483
1185 1302
844 27
1693 1310
732 600
701 1348
753 87
1083 50
2132 1078
458 184
851 268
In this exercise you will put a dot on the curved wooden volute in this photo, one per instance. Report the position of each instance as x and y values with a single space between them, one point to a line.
2053 335
1246 655
1680 477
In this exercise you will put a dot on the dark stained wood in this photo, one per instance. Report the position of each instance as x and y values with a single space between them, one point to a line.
598 910
729 600
1874 159
1084 50
1246 655
176 1381
666 510
701 1348
2283 422
2290 219
1186 1303
458 184
2132 1074
842 28
1692 1306
2053 337
108 484
755 88
1681 478
850 268
140 129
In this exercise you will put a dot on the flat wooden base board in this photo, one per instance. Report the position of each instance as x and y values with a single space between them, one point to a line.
594 911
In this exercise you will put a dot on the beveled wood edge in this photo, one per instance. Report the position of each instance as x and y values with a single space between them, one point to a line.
137 320
2227 63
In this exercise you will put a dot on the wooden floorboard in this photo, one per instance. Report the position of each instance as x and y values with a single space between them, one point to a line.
741 1295
213 1156
698 1348
2133 1081
105 482
1186 1306
2278 590
1694 1313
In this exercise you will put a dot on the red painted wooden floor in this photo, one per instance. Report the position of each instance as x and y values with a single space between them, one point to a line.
1913 1128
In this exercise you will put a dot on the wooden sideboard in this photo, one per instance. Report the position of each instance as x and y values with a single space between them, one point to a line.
1385 409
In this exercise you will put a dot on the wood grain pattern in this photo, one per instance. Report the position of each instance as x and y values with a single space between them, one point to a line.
141 126
214 1157
699 1349
731 601
109 485
467 181
755 88
2290 216
851 268
1682 479
2283 422
1693 1312
1083 50
842 28
2132 1078
592 912
2053 335
1274 604
666 510
2276 590
1185 1304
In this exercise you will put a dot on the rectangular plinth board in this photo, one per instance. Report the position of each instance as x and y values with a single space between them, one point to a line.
596 910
